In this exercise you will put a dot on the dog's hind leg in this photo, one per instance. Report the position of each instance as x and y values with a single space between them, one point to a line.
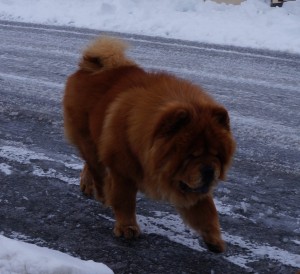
93 173
89 186
87 182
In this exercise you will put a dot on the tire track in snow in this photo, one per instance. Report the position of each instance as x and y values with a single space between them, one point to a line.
89 33
163 223
225 78
172 227
23 155
35 81
246 251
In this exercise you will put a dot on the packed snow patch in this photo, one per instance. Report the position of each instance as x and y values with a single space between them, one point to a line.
21 155
172 227
52 173
22 258
5 168
252 24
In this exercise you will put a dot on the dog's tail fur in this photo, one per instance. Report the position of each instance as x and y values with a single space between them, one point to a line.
105 53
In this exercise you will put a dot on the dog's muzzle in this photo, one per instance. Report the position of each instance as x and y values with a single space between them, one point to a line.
201 190
208 176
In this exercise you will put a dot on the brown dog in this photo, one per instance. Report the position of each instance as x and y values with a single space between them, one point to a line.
149 132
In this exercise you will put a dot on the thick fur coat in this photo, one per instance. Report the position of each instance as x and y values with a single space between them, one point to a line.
149 132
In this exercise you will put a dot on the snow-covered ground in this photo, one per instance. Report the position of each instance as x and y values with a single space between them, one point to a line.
19 257
252 24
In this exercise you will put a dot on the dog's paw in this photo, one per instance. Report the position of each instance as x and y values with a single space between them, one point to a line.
87 190
216 246
127 231
86 182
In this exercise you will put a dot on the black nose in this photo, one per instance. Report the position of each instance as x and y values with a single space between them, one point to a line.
208 174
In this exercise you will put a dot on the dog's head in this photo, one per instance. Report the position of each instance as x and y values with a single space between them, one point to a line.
192 148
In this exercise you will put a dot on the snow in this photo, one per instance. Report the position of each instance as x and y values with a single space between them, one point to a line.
172 227
5 168
26 156
18 257
52 173
251 24
162 223
19 155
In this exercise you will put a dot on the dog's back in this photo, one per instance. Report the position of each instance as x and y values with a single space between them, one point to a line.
102 65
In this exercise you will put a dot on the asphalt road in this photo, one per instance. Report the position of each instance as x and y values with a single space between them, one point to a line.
40 200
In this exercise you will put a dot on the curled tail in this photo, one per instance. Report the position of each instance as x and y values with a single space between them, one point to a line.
105 53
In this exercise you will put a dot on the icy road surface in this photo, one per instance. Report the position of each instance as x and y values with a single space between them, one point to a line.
40 201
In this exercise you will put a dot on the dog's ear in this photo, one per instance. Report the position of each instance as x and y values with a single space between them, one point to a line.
222 117
172 121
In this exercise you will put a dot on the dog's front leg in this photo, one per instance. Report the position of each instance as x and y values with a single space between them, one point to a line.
203 217
120 194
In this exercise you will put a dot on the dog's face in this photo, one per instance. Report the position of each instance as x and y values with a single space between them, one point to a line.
193 148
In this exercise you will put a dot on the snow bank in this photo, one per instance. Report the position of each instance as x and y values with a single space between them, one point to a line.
251 24
22 258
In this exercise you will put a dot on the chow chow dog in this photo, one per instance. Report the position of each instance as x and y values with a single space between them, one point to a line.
146 131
